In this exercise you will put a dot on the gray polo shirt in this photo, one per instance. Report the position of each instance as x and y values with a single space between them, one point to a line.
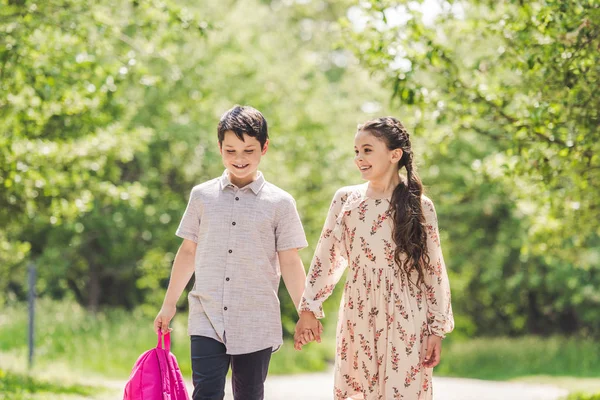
238 234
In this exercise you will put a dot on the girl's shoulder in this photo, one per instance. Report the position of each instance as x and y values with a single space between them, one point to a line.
351 192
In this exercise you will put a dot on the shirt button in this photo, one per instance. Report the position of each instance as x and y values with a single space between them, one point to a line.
233 223
227 279
237 199
225 308
230 251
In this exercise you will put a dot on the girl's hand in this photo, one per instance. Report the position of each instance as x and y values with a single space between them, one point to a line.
164 317
433 351
308 329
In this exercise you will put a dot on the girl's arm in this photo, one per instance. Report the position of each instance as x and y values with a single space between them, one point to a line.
328 263
437 285
182 271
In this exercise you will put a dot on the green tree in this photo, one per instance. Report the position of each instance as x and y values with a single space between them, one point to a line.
505 93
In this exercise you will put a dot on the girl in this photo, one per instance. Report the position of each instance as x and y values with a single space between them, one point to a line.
395 308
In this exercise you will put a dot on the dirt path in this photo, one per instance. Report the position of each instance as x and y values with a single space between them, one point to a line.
319 387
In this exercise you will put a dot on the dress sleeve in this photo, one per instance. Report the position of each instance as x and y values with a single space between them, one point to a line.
329 261
437 285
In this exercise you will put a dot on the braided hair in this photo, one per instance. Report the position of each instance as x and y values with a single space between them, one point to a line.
408 232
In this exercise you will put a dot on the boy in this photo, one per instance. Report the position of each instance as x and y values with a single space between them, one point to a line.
240 234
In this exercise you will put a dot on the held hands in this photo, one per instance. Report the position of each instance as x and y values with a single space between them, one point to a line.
433 351
308 329
164 317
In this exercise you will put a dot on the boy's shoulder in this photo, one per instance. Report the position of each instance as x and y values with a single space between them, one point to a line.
209 187
275 194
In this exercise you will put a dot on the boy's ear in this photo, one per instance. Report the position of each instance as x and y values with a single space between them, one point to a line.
220 147
265 147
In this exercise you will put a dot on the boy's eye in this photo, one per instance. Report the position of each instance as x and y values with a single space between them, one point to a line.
231 151
249 151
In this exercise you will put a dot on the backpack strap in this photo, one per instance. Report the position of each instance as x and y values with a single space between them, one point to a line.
167 340
164 365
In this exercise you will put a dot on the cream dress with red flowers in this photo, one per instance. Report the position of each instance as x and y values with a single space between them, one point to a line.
384 318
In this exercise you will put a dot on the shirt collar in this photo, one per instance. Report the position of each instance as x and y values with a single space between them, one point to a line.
255 186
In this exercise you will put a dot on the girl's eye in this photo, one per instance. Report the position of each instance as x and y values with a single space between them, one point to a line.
356 152
367 150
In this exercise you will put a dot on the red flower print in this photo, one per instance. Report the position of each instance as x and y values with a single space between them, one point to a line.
395 358
411 376
366 249
316 270
361 308
400 306
350 235
364 344
343 349
378 222
411 344
362 210
372 314
397 395
389 253
324 292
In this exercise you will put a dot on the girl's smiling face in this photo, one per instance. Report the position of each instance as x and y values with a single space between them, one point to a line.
373 158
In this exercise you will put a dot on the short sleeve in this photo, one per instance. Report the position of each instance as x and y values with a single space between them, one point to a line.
190 222
289 233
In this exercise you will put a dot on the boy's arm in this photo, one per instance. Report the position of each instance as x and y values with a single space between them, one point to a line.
293 274
294 277
182 271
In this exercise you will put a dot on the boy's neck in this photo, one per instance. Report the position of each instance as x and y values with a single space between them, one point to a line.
240 183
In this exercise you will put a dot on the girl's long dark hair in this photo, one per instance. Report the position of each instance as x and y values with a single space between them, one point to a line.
408 232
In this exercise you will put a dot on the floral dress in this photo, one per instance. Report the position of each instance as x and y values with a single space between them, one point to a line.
384 318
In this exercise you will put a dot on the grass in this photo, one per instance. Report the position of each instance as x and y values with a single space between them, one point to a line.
509 358
109 343
75 348
19 386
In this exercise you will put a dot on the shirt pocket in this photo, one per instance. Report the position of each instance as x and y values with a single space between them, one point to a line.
264 240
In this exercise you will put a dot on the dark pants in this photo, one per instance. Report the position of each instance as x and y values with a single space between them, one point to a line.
210 365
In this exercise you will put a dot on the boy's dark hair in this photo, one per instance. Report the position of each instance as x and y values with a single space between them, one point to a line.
243 119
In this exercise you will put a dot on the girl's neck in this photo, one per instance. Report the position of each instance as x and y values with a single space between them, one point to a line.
384 187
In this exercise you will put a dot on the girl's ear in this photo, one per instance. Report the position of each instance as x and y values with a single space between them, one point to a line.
397 155
265 147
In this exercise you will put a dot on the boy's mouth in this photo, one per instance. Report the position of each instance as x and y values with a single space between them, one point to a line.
240 166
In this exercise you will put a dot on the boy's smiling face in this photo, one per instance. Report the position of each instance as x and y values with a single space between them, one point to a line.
241 158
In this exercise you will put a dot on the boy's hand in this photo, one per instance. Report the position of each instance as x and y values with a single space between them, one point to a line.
433 351
308 329
164 317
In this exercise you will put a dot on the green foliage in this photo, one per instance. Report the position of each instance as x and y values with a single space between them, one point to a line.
503 99
22 387
583 396
108 120
108 123
112 340
509 358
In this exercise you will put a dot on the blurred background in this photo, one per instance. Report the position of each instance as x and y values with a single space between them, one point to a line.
108 115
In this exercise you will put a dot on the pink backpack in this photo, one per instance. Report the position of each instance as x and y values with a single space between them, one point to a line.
156 375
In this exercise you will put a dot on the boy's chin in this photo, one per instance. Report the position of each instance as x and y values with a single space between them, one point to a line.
241 173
